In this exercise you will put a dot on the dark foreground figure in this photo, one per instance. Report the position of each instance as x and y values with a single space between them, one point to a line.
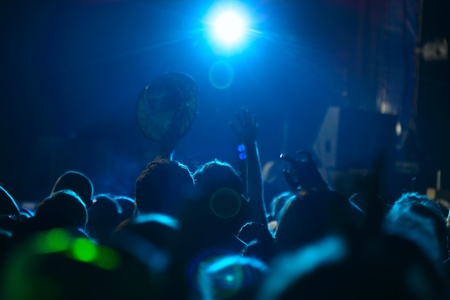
206 234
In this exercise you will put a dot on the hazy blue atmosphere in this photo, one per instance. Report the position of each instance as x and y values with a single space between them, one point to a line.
72 72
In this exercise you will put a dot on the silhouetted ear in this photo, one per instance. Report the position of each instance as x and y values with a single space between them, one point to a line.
8 206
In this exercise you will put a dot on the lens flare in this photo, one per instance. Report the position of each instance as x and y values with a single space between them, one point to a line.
221 75
225 203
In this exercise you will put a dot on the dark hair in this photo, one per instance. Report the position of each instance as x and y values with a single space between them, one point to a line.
304 220
163 187
64 207
215 175
218 198
412 216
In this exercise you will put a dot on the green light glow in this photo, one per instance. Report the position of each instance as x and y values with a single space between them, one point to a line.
55 240
84 250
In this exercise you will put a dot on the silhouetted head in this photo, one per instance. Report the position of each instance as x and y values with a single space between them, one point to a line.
309 218
77 182
215 175
155 240
104 216
163 187
63 209
219 201
159 229
420 219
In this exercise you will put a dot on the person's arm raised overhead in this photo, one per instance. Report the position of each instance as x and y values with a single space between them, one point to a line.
245 128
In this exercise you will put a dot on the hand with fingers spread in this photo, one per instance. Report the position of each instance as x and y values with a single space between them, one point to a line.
303 173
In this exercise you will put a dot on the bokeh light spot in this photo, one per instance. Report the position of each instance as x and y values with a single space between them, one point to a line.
226 280
84 250
200 262
55 240
225 203
107 259
233 277
221 75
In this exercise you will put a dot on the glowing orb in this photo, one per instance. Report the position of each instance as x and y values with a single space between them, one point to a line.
229 27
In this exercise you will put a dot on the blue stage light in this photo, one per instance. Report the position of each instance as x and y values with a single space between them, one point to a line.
241 148
228 26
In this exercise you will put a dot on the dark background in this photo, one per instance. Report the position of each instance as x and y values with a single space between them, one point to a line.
72 71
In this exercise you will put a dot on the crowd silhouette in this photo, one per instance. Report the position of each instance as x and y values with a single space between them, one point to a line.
207 234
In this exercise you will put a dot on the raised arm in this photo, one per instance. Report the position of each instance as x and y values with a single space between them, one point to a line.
245 128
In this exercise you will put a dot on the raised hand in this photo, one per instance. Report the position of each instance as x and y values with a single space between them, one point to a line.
245 126
303 172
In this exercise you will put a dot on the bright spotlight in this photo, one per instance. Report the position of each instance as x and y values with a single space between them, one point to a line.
228 26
